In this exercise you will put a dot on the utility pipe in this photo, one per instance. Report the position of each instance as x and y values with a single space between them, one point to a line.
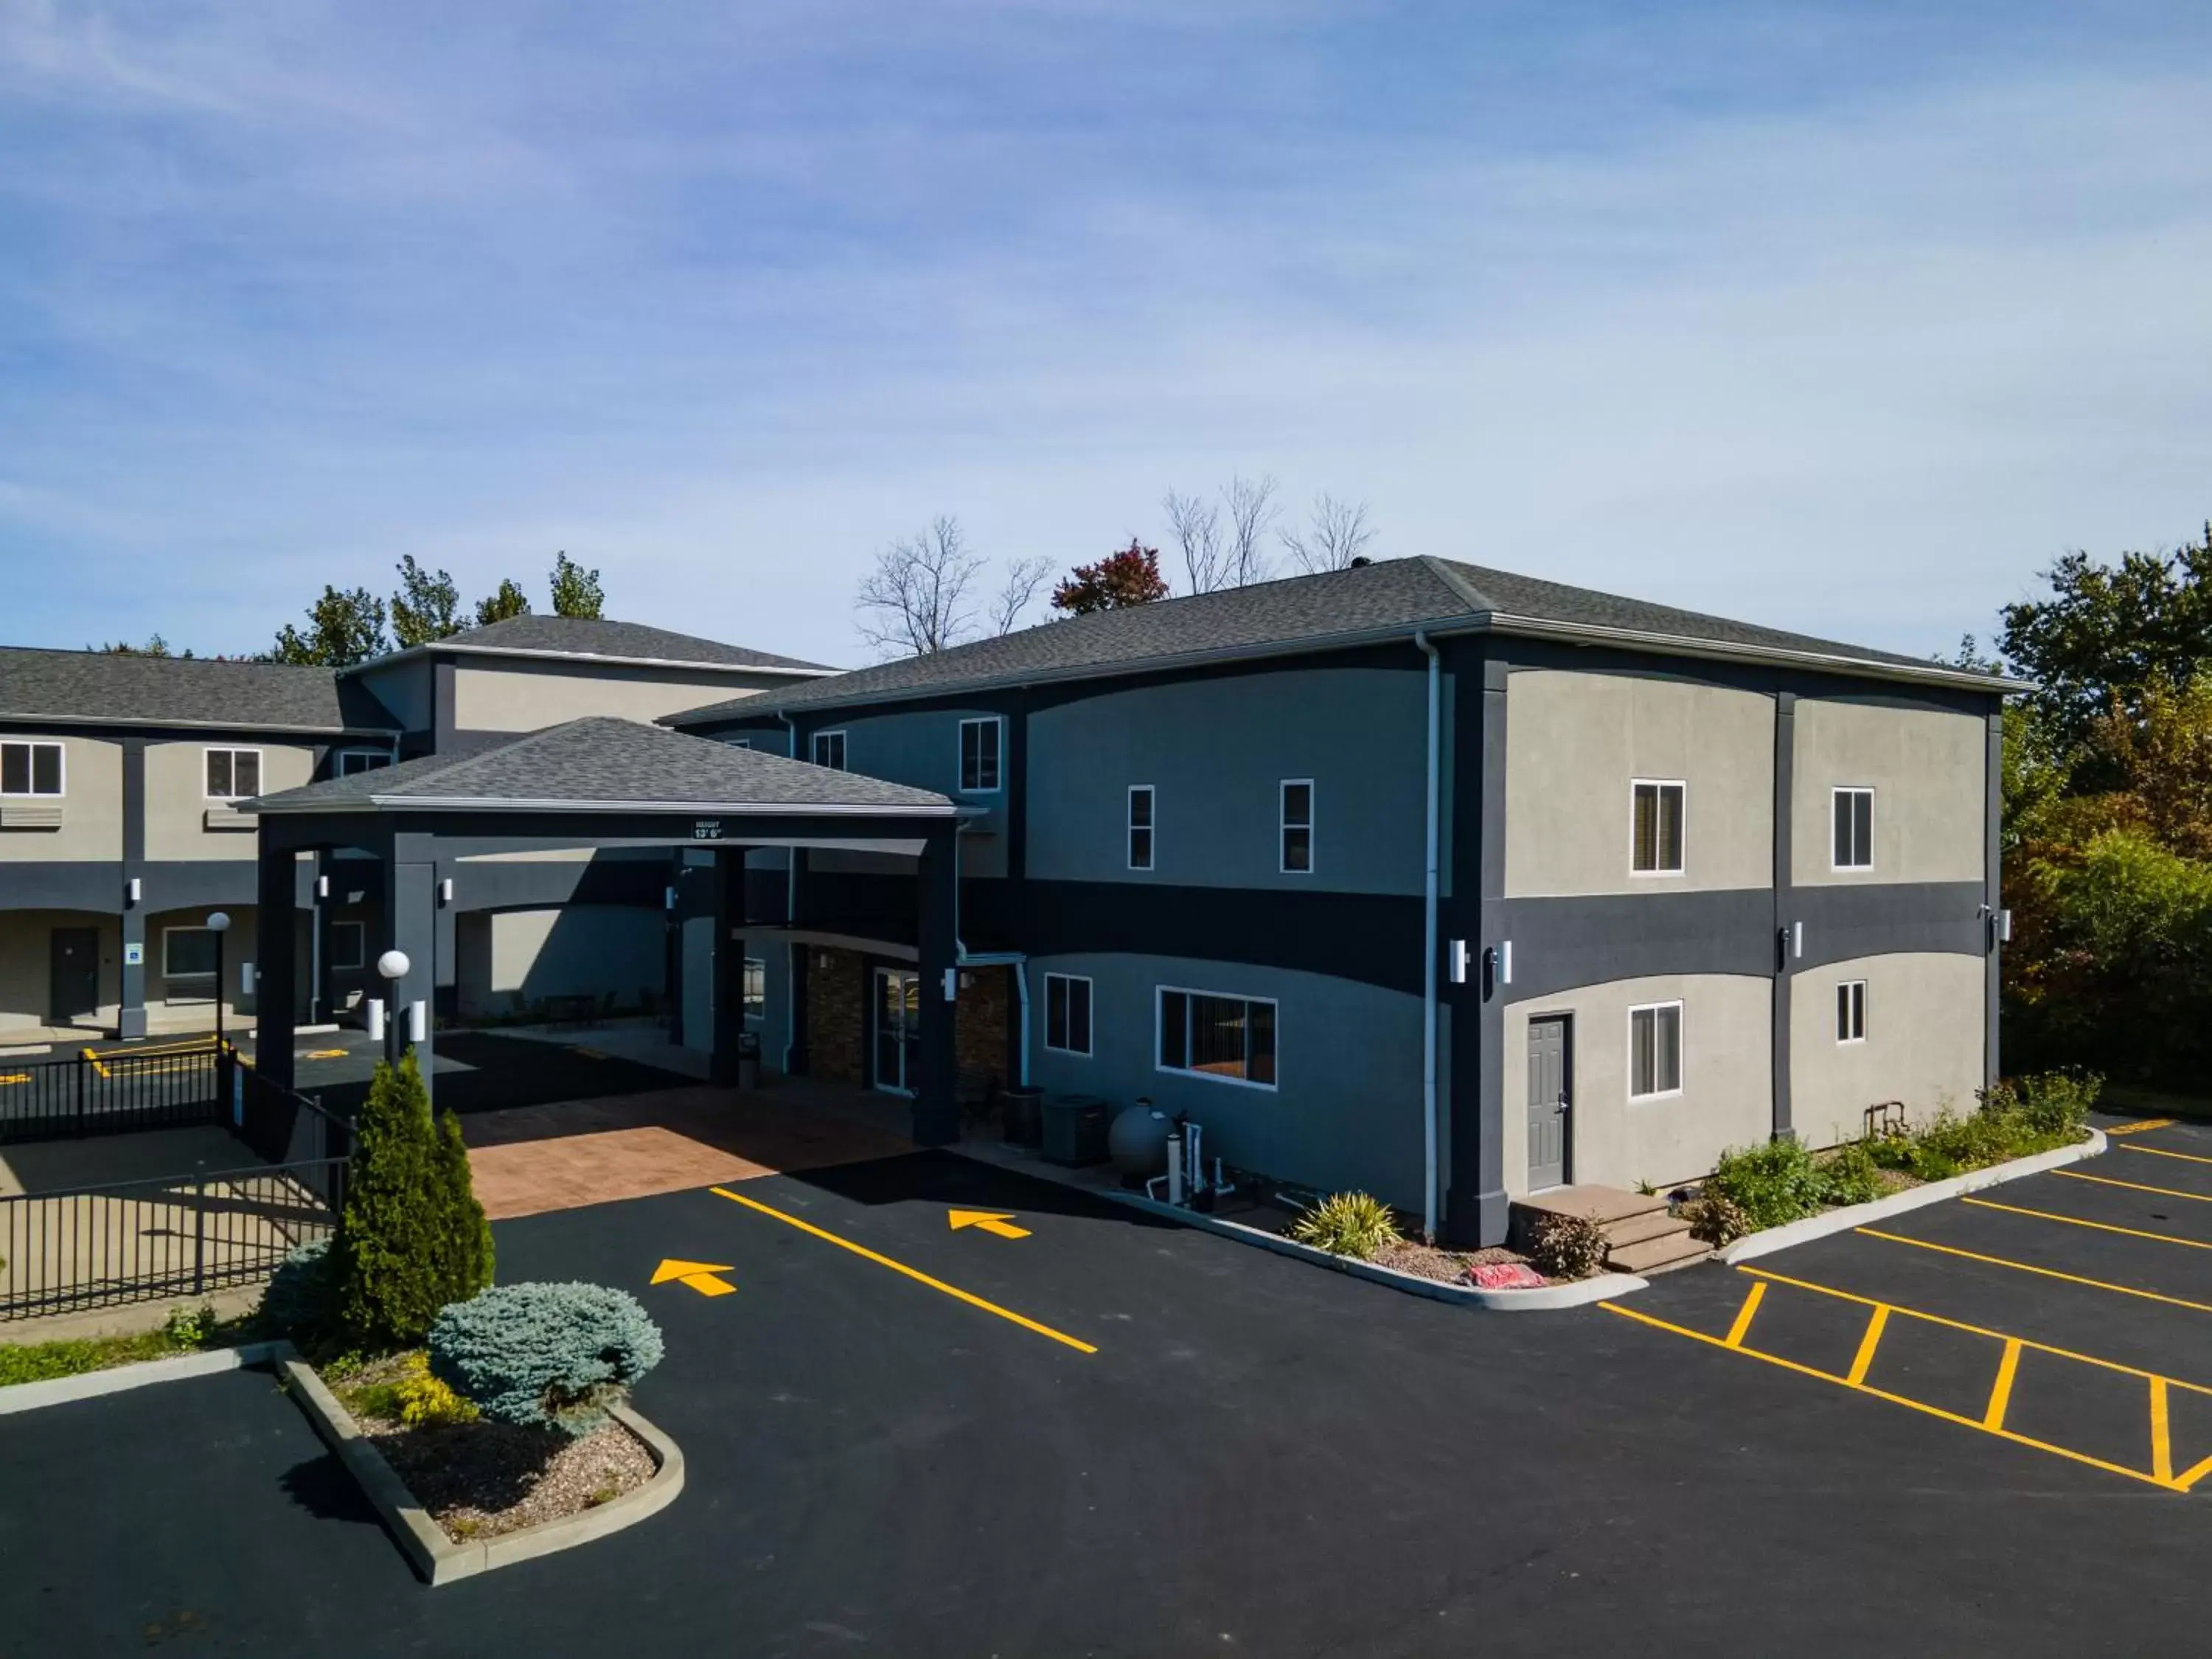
1429 961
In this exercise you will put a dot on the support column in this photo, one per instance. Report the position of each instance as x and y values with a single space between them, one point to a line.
936 1101
131 1012
729 963
1475 1210
1786 903
801 961
410 924
274 896
1993 896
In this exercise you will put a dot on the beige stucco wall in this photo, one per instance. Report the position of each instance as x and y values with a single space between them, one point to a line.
177 802
1924 1018
27 958
1728 1091
518 698
91 802
506 959
1928 770
1574 743
188 999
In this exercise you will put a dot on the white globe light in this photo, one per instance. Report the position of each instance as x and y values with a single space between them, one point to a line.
394 964
219 922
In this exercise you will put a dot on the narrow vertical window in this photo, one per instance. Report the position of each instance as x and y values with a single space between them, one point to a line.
756 988
830 750
979 756
1067 1013
1851 1010
1297 826
1853 810
1140 826
1655 1051
1655 829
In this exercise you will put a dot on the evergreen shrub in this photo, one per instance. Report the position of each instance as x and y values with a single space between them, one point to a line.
550 1355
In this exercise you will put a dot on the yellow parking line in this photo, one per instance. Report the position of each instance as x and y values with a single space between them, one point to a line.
1864 1359
953 1290
2076 1221
2139 1126
2161 1151
2132 1186
2184 1482
2043 1273
2161 1443
2001 1390
1742 1328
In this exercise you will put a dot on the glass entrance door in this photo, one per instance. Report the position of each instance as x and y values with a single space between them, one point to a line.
898 1028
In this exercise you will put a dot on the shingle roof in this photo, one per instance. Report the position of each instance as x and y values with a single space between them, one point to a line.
1387 599
589 636
97 687
602 762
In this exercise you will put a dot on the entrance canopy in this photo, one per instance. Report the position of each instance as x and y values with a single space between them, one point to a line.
595 783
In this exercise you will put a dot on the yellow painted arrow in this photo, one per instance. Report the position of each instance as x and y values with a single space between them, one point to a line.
1000 1222
699 1275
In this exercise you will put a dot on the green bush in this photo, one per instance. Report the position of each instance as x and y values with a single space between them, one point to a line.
190 1329
1772 1184
1347 1223
555 1355
1562 1246
1715 1220
2052 1104
1849 1175
302 1299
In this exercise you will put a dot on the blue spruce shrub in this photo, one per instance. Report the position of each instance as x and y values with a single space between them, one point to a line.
544 1355
301 1300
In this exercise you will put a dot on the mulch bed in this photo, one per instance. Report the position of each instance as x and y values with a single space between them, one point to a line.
1449 1267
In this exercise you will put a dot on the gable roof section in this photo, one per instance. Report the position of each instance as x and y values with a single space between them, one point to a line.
593 639
1384 601
98 688
602 763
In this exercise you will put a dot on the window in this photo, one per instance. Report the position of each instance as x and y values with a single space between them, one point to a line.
188 953
1297 826
1140 826
737 742
30 768
1854 828
350 761
1655 835
233 774
1851 1010
1067 1013
979 756
830 750
1655 1051
348 944
1231 1038
756 988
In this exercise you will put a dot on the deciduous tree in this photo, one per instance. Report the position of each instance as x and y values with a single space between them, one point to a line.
1129 577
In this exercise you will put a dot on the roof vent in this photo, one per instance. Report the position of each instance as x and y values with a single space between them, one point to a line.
1361 562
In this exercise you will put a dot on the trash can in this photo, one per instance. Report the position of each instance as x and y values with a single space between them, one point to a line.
1075 1130
1021 1117
749 1060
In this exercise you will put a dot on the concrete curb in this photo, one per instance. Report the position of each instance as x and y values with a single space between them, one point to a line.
119 1379
1793 1233
1546 1299
436 1558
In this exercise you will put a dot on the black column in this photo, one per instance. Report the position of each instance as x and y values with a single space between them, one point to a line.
801 964
729 963
445 992
1785 799
1993 893
275 894
131 1012
936 1103
410 924
1475 1210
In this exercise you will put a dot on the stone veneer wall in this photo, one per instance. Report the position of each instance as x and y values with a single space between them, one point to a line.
837 1018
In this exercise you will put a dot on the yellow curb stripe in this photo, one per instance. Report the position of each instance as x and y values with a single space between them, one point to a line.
2141 1126
1742 1328
2098 1226
2043 1273
919 1277
2133 1186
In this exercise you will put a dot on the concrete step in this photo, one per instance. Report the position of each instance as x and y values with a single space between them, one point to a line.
1638 1229
1659 1255
1603 1205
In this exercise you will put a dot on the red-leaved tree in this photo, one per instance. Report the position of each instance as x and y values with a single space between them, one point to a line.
1130 576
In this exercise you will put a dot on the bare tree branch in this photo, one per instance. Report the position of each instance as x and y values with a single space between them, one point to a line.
1196 526
1024 577
1339 533
913 602
1253 511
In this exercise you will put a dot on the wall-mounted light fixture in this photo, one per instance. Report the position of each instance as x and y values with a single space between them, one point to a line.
1457 962
445 890
1796 938
2004 927
132 889
322 887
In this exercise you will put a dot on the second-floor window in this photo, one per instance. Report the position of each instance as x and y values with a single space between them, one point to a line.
30 768
1852 811
1656 831
1140 826
1297 826
830 750
233 774
1067 1013
979 756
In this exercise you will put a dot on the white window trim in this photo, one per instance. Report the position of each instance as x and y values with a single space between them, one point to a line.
168 933
1284 826
1091 1006
1866 789
960 754
1151 827
34 744
1160 991
360 930
1843 986
1682 1049
260 768
815 740
1682 842
745 973
737 743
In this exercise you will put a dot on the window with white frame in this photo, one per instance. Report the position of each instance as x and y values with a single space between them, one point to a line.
349 945
1852 841
1140 826
233 774
188 953
1229 1038
830 750
351 760
31 768
756 988
1851 1010
1297 826
979 756
1656 807
737 743
1067 1013
1655 1051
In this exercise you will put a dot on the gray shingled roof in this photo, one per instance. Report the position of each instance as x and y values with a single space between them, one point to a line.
97 687
590 636
1387 599
601 762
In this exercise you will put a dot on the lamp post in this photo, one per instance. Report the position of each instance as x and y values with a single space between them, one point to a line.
393 966
218 924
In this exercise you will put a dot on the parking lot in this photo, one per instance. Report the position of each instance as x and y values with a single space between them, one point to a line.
1076 1430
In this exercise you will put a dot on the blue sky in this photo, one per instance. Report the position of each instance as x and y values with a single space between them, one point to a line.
1841 318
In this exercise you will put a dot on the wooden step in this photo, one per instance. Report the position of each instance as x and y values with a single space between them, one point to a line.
1660 1254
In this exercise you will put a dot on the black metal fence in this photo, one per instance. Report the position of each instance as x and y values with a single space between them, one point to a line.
282 1126
142 1240
95 1092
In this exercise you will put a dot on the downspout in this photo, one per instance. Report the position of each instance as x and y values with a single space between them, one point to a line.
1429 962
